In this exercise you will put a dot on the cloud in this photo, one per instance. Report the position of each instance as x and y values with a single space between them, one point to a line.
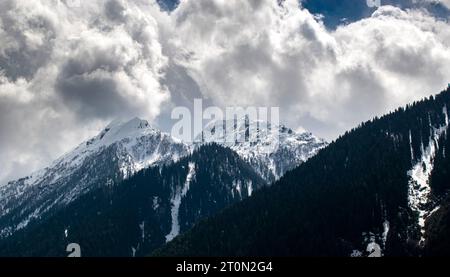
263 53
446 3
67 71
27 38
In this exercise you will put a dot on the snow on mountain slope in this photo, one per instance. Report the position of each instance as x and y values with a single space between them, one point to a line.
119 151
419 185
124 148
176 202
271 150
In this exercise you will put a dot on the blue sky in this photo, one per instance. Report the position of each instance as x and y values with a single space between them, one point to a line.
168 4
337 12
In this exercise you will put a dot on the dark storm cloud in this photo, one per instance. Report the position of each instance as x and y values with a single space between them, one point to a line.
26 43
115 10
87 85
90 96
409 61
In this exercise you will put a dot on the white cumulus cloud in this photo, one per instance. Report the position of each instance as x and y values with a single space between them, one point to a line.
263 53
66 71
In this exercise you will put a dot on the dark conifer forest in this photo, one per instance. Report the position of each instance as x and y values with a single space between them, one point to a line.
354 192
379 188
134 217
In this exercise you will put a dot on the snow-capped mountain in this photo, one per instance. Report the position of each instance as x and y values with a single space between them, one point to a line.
381 189
272 150
124 148
145 211
119 151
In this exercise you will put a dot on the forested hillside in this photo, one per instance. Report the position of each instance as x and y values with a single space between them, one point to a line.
381 187
142 213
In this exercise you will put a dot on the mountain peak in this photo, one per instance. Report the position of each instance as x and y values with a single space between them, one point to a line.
119 130
135 122
272 149
116 153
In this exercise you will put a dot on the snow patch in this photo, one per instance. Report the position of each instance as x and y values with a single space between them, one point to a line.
250 188
386 227
24 223
155 203
356 254
238 188
434 210
410 146
419 185
176 202
142 227
374 249
445 115
374 243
